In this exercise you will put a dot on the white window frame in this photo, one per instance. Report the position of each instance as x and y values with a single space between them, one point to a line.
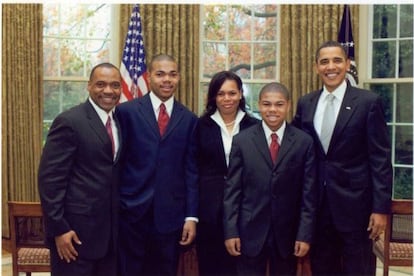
203 80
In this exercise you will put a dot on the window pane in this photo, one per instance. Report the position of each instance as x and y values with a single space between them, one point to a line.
264 61
50 57
406 59
95 26
385 21
62 95
404 145
383 60
97 51
215 22
239 23
73 93
265 22
404 110
251 93
71 58
203 94
239 55
52 100
403 183
386 93
406 21
72 20
50 19
214 58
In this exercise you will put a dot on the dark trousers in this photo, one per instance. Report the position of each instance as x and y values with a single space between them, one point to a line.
145 251
336 252
213 258
83 267
269 257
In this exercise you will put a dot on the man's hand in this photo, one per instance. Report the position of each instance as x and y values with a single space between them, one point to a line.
65 247
233 246
376 225
301 248
189 232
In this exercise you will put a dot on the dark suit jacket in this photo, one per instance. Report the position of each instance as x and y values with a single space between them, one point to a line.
158 172
212 167
258 194
78 181
357 169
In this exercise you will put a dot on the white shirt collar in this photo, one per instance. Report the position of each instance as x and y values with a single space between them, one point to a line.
268 132
219 120
339 92
103 115
156 103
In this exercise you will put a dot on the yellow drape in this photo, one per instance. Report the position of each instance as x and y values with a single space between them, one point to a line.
22 103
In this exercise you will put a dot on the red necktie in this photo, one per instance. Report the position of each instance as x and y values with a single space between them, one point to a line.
162 119
111 136
274 147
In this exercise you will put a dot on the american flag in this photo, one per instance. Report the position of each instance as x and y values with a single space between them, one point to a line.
133 68
347 40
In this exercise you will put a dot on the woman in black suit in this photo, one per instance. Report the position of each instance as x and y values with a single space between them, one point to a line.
225 116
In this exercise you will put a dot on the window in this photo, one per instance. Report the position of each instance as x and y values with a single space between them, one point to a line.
242 39
390 74
75 38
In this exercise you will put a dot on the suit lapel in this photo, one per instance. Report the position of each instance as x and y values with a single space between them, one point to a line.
259 140
313 104
288 142
346 110
176 115
147 112
95 122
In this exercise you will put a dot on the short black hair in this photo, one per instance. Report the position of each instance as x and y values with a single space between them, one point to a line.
330 43
160 57
104 64
275 87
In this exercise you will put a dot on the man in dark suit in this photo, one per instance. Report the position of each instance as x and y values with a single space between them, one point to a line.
158 189
269 205
78 181
355 171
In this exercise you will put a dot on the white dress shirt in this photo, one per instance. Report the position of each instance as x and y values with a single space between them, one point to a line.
339 94
103 115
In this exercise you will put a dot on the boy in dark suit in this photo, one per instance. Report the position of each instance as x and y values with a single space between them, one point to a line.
158 189
270 193
354 162
78 181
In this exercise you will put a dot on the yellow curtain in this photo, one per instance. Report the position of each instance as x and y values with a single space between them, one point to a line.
173 30
22 103
303 29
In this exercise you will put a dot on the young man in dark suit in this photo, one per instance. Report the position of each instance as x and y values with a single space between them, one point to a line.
78 181
158 189
269 205
355 171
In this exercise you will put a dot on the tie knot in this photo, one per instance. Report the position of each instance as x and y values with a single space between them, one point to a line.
330 98
162 107
274 137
